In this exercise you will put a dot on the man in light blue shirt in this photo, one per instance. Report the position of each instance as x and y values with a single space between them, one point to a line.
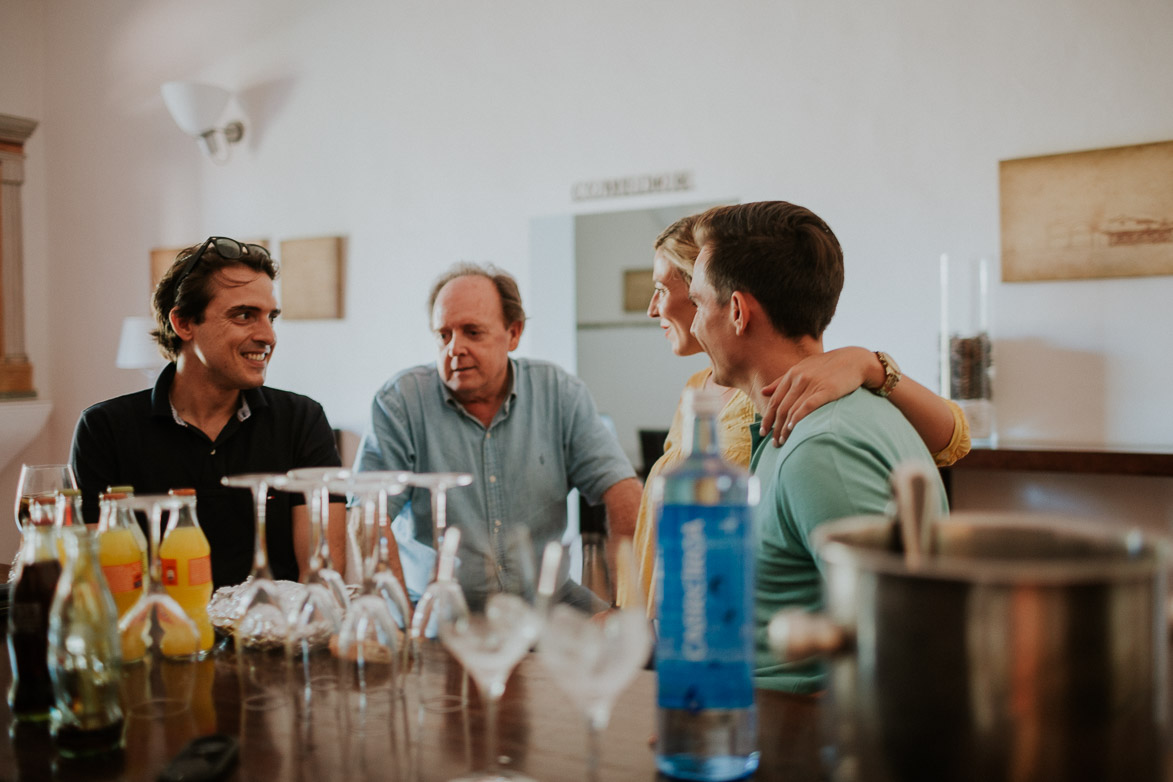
526 430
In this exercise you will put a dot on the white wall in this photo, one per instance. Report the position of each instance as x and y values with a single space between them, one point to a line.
432 131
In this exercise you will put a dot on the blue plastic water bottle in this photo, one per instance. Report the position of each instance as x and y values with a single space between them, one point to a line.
707 721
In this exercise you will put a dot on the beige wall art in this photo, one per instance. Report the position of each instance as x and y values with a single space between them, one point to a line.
1101 213
312 278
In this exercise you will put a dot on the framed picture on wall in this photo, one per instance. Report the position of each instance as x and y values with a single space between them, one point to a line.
1100 213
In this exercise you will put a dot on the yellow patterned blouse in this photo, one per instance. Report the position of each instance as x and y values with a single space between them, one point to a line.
733 433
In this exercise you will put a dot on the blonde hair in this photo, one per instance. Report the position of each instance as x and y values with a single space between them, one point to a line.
679 246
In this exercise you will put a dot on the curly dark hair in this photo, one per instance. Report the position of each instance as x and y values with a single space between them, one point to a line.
188 294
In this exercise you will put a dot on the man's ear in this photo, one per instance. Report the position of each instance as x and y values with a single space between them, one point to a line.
180 325
739 311
515 330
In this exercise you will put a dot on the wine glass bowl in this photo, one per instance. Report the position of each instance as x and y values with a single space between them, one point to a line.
499 629
262 626
158 625
314 482
40 480
370 646
593 659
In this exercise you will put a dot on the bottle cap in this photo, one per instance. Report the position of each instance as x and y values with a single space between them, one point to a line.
702 401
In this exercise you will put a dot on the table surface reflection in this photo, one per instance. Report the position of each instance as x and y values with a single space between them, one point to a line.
540 732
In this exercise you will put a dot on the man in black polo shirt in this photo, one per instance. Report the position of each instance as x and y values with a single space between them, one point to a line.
210 415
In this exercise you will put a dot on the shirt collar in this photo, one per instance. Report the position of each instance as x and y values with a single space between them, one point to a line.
451 400
251 399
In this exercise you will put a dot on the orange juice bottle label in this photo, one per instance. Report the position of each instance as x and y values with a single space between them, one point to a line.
199 570
124 578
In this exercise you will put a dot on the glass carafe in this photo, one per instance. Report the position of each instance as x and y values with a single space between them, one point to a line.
84 652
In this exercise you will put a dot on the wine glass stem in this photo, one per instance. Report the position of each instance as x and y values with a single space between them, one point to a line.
261 554
490 701
323 499
592 750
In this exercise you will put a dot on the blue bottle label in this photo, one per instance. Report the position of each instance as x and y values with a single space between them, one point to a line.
704 656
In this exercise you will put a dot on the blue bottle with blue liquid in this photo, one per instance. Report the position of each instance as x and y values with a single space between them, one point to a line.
707 721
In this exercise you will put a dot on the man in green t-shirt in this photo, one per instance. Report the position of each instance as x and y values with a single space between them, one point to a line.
766 284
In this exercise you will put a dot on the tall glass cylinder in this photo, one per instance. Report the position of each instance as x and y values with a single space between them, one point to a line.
967 351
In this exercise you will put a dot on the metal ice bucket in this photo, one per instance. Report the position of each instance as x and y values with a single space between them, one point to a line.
1022 648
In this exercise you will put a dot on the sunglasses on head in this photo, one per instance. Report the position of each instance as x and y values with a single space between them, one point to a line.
226 248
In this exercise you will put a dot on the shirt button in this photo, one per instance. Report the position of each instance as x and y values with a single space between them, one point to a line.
488 436
492 479
497 523
213 452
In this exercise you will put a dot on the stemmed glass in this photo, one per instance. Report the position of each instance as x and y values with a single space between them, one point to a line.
443 599
438 484
316 615
261 626
40 480
368 641
498 631
167 633
314 482
592 660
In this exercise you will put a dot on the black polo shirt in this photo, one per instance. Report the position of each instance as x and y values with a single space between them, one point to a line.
135 440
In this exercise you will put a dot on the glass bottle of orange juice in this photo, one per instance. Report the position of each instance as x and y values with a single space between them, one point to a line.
186 560
122 564
126 518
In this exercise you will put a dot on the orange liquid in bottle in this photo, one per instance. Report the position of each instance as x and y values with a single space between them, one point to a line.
122 565
186 558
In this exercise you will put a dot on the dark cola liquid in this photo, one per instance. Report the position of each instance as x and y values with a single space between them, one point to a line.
74 742
31 694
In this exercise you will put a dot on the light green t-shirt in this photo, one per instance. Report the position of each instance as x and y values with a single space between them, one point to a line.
836 463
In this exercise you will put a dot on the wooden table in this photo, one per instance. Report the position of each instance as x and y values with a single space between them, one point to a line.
539 730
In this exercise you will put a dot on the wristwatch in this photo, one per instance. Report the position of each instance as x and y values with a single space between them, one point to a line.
891 374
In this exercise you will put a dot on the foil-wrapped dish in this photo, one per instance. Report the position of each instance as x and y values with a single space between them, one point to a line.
226 608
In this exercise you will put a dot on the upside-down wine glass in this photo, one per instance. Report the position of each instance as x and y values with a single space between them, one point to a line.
368 641
592 660
443 599
315 618
261 627
438 484
316 615
317 498
498 631
168 635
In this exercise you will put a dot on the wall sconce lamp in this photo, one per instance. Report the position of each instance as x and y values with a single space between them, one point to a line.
196 109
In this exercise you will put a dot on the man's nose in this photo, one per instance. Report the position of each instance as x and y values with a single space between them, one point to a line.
654 306
456 345
265 332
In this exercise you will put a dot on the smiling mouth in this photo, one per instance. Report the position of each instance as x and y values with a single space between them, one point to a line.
257 356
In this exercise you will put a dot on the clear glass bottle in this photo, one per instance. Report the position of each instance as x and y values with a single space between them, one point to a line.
126 518
186 560
706 717
85 653
37 572
596 575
